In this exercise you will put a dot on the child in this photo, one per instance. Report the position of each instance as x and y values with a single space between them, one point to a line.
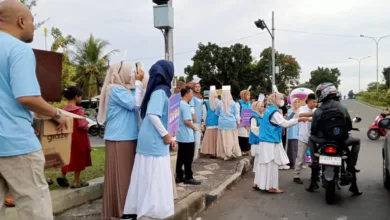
80 155
258 110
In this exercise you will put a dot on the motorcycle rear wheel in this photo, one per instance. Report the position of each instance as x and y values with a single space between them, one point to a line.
330 191
93 130
373 134
101 132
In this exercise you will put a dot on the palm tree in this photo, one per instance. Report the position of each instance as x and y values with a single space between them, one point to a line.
91 64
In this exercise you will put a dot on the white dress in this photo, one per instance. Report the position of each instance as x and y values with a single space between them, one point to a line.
270 156
255 129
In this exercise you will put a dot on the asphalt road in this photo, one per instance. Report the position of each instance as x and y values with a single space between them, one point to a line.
243 203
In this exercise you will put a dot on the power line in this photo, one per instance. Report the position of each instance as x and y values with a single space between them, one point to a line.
190 51
323 34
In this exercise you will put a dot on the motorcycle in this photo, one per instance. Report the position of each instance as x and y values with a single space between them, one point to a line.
374 131
332 158
94 128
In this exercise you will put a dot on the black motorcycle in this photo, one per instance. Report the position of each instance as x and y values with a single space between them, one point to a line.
332 158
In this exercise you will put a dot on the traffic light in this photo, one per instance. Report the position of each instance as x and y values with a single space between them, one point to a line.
260 24
161 2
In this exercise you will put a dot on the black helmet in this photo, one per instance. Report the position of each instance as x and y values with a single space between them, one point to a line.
326 90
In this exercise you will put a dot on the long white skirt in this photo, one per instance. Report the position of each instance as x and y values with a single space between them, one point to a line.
150 192
267 176
269 156
253 152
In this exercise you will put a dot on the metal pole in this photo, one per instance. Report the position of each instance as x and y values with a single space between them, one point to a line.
169 47
377 66
359 75
273 52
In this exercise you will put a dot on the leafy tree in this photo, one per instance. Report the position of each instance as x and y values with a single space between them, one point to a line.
220 66
68 69
386 75
289 70
30 4
371 87
91 64
321 75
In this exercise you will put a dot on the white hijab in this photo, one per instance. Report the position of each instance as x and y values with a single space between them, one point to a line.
227 101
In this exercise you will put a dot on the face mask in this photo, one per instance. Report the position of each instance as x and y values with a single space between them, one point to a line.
281 103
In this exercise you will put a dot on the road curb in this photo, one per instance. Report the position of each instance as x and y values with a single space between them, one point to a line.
197 202
370 105
65 199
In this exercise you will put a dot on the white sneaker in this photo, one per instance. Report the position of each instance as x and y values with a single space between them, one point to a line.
286 167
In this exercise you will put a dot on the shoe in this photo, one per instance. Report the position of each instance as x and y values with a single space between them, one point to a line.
355 190
131 217
304 166
192 182
312 187
63 182
298 180
179 180
213 157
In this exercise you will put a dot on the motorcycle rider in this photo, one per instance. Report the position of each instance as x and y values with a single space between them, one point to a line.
328 96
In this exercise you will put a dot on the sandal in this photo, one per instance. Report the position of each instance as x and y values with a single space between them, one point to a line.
80 185
63 182
276 191
256 187
9 201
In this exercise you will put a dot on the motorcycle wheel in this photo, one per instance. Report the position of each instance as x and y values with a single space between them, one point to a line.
330 191
373 134
101 132
93 130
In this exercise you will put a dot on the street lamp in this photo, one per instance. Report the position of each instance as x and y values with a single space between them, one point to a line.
262 25
359 61
377 57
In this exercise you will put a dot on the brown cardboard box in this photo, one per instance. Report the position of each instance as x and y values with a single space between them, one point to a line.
55 145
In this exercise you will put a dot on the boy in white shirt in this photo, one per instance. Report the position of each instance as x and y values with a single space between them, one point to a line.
303 136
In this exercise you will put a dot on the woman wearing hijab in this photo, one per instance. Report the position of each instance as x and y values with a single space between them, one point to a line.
257 116
210 118
118 110
292 134
243 132
228 122
150 192
270 152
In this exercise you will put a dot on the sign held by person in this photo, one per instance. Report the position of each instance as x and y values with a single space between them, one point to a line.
173 114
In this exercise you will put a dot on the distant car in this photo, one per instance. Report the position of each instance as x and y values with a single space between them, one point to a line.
385 124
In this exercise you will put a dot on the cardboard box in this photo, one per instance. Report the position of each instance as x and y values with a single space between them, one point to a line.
55 145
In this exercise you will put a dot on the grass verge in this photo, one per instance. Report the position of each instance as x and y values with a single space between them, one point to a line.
372 102
96 170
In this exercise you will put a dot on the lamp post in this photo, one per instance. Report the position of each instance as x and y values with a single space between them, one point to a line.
261 24
359 61
377 56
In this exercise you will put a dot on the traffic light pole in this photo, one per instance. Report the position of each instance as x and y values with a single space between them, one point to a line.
169 40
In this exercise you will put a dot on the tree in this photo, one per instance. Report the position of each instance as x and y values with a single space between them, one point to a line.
386 75
68 69
220 66
91 64
289 71
30 4
371 87
321 75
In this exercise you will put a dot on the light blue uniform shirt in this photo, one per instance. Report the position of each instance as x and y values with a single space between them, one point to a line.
185 134
227 122
122 119
292 132
17 79
150 142
197 103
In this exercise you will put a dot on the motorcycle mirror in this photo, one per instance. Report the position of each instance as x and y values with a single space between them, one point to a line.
384 123
357 120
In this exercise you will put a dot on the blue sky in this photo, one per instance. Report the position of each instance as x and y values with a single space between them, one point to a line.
128 25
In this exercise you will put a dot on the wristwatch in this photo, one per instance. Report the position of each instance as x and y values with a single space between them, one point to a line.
58 114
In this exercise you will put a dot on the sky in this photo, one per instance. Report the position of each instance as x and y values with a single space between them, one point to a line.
316 33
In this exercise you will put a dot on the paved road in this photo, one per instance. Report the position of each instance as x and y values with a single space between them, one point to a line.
96 141
242 203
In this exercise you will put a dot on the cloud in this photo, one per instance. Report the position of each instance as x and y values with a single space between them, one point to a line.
128 25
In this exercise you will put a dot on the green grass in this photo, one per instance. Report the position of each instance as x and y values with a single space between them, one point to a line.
371 101
96 170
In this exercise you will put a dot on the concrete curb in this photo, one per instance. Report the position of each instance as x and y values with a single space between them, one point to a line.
65 199
197 202
368 104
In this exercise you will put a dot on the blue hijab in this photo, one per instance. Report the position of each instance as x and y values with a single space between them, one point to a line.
160 77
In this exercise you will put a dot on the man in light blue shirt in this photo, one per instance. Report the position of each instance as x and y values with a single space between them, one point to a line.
21 158
186 140
196 104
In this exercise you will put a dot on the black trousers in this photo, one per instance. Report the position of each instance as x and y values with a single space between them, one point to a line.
244 144
185 156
